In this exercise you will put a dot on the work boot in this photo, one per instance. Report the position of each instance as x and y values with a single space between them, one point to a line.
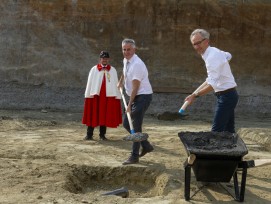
131 160
145 151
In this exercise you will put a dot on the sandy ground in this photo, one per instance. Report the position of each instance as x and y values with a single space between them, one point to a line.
44 160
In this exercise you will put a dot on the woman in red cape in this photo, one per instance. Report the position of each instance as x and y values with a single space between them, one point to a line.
102 99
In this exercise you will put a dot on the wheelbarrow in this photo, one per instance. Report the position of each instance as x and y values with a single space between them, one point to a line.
216 157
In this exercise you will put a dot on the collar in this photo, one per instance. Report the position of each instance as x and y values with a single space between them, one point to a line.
130 60
204 55
102 67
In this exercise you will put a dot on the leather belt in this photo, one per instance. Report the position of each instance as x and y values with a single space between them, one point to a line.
224 92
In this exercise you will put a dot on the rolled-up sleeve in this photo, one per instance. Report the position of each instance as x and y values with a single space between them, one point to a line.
227 55
218 69
213 74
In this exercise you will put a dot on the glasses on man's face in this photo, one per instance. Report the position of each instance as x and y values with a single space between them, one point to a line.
199 42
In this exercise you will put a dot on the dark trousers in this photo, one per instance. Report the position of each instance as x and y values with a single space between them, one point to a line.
224 119
139 108
91 129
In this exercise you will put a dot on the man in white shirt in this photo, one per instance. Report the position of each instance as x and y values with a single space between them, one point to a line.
138 88
219 79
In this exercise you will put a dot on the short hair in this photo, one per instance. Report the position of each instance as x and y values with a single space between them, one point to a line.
128 41
205 34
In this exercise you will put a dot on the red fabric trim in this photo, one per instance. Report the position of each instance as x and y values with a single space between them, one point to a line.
101 67
102 110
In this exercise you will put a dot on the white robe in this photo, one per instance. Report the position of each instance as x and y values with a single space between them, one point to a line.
95 79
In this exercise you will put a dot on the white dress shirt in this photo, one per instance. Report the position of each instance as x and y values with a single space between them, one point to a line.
136 70
218 69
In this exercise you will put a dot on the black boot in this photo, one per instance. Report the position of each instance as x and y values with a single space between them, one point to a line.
89 135
102 133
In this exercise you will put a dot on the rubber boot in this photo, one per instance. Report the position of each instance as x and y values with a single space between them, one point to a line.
89 135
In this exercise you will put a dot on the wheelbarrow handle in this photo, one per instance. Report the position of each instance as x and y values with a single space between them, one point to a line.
254 163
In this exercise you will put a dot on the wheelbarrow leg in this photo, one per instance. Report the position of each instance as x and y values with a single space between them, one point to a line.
243 185
236 186
187 180
240 193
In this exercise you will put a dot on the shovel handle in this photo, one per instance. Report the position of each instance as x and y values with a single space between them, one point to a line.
128 114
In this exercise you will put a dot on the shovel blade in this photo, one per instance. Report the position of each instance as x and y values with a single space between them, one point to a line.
122 192
136 137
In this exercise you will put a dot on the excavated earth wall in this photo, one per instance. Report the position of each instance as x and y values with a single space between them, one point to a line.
48 47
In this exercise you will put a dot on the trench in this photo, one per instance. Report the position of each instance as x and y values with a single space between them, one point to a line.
141 182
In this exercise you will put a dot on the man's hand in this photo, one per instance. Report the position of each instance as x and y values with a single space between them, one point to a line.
120 83
128 110
191 98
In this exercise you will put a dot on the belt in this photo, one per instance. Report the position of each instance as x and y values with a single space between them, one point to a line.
219 93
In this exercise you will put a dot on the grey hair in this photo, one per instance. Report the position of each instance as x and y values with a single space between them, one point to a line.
128 41
204 34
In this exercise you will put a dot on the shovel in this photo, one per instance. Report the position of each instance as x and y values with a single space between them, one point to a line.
134 137
122 192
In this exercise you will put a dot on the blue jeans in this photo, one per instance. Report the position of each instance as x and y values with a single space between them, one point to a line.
139 108
224 112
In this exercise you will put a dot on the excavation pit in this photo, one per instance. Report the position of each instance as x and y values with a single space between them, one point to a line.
141 182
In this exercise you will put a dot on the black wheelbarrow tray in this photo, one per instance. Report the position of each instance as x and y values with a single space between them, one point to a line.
215 157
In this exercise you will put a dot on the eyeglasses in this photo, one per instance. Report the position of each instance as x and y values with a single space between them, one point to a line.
199 42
